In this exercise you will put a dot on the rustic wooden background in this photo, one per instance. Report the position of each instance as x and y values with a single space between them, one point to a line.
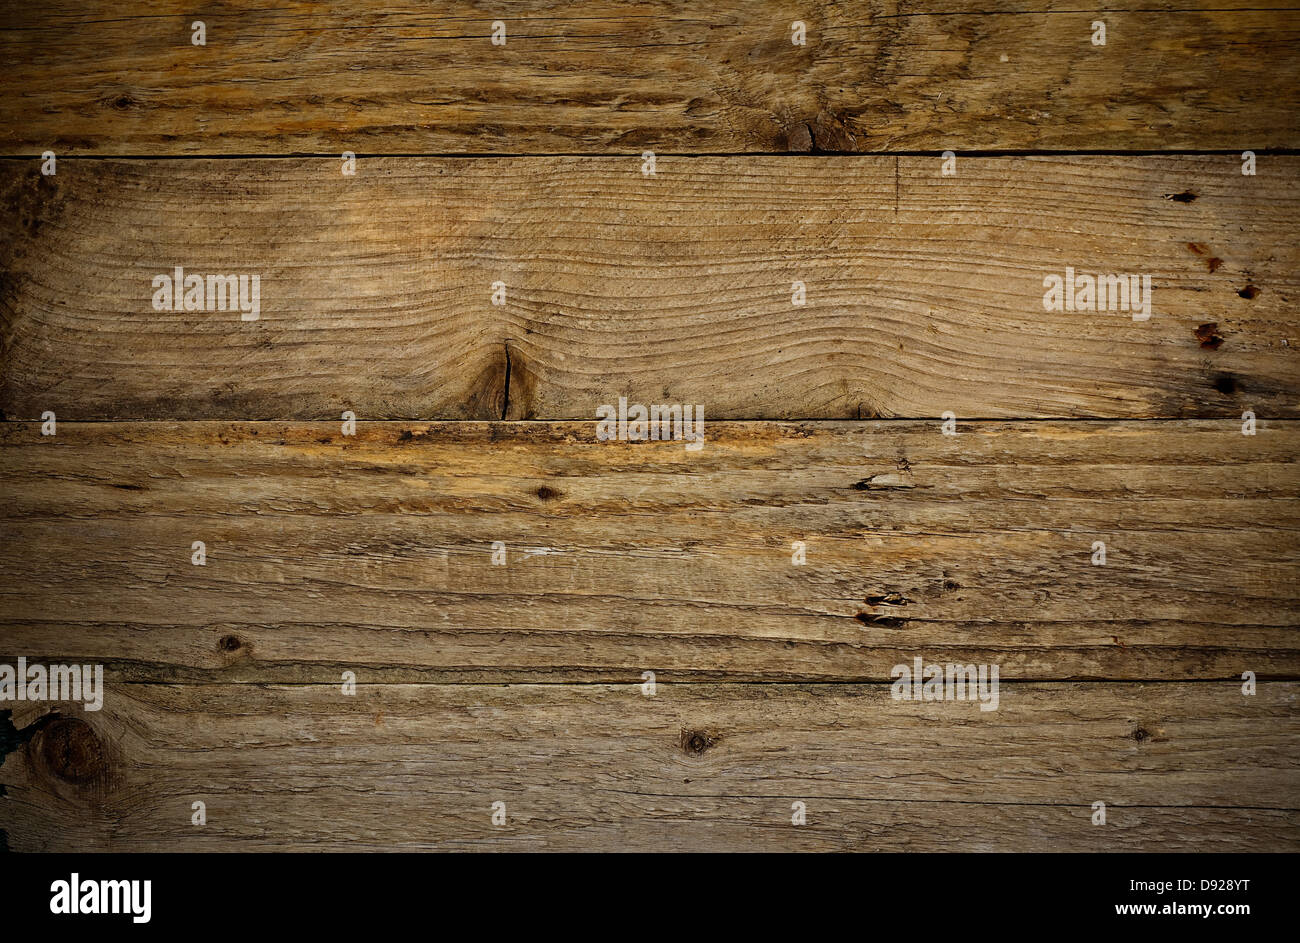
775 163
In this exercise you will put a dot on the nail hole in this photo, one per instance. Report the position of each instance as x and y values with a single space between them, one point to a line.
1226 384
1208 335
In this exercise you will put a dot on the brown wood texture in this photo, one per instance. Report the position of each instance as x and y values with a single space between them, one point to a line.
670 75
1181 767
373 552
925 293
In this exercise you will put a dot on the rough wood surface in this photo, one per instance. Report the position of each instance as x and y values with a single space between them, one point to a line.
520 683
695 767
122 77
373 552
924 293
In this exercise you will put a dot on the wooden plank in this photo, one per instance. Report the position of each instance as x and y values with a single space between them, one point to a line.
94 77
373 552
695 767
924 293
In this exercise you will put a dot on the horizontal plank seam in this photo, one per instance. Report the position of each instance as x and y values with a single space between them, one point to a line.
865 420
617 155
885 801
528 19
721 682
689 636
942 13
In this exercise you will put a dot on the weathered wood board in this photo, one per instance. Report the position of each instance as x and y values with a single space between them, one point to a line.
924 293
374 552
694 767
97 77
799 259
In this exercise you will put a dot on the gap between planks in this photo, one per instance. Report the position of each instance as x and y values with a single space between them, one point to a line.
686 155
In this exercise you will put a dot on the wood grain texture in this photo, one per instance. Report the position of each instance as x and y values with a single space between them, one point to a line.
94 77
777 164
925 293
696 767
372 552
